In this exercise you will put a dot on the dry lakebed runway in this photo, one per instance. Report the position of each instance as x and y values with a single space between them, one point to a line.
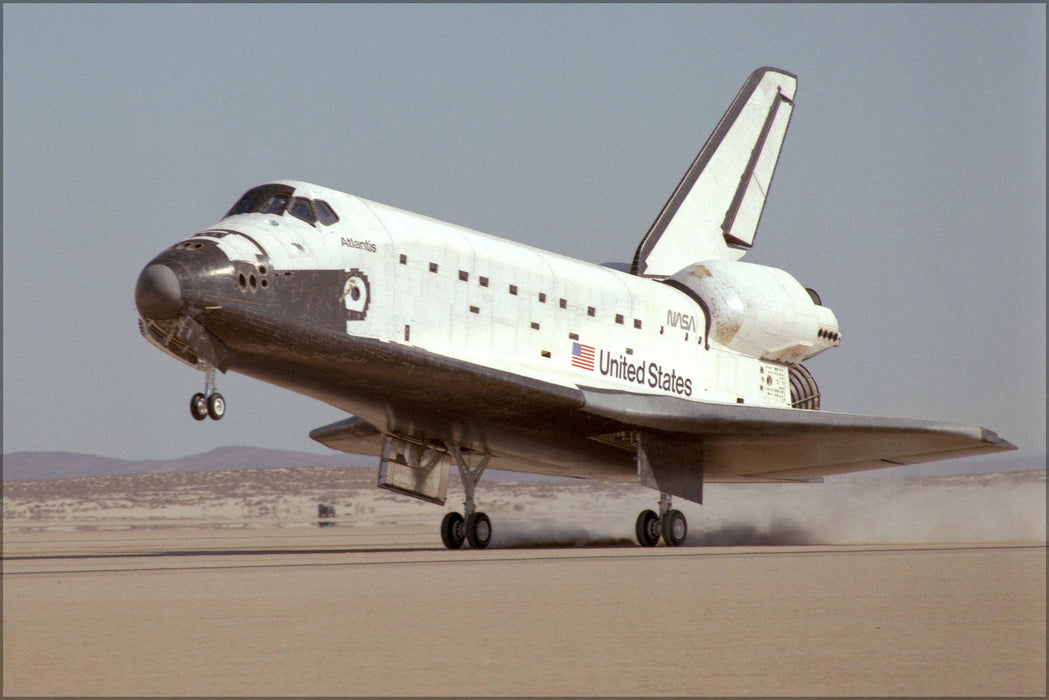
107 591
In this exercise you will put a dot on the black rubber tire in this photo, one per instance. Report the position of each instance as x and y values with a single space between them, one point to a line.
216 406
647 529
198 406
453 532
675 528
478 530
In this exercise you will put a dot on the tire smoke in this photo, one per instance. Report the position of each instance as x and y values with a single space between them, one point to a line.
855 509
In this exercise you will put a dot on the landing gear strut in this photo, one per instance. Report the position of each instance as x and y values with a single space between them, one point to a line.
475 528
210 402
670 524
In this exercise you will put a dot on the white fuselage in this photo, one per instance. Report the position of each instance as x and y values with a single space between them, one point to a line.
459 293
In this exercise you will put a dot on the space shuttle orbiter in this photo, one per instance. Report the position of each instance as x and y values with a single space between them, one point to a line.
446 345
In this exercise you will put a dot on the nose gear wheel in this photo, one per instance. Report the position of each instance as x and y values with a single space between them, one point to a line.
216 406
209 402
198 406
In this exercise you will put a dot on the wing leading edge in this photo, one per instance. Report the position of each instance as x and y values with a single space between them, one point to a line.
750 443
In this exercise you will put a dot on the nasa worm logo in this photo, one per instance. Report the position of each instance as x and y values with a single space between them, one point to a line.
356 295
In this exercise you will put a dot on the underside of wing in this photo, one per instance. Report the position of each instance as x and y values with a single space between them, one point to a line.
746 443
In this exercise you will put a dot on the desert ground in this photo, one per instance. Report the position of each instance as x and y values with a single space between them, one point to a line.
225 584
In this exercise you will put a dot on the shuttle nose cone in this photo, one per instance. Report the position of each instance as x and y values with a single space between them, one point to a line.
158 293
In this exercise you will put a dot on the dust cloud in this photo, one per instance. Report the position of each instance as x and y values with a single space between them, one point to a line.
874 510
549 532
869 510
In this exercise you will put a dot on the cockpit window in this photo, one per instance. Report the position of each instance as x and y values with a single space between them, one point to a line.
274 205
243 206
266 199
324 213
302 209
274 199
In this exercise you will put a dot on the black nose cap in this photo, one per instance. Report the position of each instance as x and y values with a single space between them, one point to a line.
158 293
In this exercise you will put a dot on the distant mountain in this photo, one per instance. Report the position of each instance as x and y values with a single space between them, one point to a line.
26 466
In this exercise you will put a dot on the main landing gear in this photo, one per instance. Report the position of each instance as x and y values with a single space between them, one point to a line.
210 402
475 528
670 524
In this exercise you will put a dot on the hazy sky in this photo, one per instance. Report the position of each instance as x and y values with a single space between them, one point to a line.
910 192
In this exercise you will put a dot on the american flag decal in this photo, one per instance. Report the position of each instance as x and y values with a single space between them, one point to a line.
583 356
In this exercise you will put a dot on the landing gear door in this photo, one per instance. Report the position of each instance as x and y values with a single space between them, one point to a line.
414 470
670 467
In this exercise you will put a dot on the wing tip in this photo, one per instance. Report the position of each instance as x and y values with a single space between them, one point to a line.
989 436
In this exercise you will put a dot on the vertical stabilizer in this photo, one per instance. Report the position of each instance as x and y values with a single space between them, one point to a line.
714 212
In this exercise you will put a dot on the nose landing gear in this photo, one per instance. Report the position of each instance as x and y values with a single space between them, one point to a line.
209 402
